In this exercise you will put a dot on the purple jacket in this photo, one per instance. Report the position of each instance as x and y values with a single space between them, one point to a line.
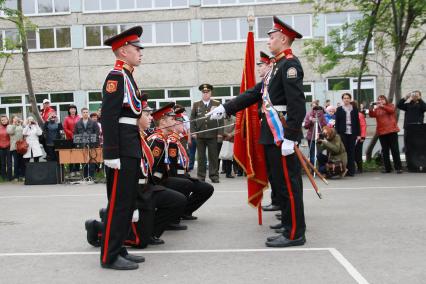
310 122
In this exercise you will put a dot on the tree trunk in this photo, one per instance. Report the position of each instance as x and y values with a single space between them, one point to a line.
394 91
365 49
369 152
25 59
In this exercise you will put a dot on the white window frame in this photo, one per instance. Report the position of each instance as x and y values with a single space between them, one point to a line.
166 95
117 9
153 31
239 39
312 92
38 49
36 14
256 2
256 30
24 105
341 48
353 85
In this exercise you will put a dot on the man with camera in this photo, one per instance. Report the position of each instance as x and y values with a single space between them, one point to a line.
335 161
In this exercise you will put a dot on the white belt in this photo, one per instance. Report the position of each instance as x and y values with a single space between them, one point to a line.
280 108
128 120
158 174
142 181
180 172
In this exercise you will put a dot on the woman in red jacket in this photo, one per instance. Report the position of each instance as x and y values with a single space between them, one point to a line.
69 123
387 129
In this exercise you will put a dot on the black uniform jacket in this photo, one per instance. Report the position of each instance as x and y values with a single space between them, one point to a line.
119 139
157 142
175 168
285 88
146 188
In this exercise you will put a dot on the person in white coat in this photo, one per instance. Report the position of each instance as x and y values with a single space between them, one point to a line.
31 132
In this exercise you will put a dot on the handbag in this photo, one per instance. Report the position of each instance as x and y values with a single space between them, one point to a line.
21 146
334 168
227 151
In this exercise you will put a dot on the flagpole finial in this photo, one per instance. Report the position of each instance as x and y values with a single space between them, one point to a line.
250 18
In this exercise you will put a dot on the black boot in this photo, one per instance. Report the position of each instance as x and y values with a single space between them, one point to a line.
92 232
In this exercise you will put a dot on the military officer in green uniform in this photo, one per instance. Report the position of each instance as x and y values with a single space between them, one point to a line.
206 139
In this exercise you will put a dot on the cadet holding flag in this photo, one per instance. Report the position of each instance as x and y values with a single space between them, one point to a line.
282 94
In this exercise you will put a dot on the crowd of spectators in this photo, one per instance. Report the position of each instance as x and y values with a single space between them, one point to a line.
335 136
339 133
39 140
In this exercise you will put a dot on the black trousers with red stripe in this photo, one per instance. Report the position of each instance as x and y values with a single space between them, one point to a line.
286 177
196 191
122 191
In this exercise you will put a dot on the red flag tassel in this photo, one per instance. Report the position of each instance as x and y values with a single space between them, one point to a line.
259 213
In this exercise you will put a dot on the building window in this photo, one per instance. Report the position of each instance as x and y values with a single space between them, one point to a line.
95 101
224 30
309 92
235 29
38 40
301 23
335 33
162 33
241 2
36 7
161 97
20 105
337 86
100 6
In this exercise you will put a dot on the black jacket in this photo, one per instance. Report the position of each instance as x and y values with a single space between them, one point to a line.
341 121
119 139
414 112
285 88
92 127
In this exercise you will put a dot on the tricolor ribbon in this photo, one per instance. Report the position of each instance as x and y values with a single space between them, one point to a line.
271 114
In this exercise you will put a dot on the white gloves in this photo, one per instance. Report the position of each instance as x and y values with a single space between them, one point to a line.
113 164
287 147
135 216
217 112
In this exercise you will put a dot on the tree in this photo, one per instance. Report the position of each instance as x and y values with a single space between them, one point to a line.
398 30
23 25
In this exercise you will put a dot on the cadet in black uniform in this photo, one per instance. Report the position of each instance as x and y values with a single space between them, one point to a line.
197 192
282 94
121 108
157 205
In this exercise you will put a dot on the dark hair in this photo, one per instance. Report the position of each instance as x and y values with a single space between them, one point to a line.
355 104
346 94
84 108
70 107
384 97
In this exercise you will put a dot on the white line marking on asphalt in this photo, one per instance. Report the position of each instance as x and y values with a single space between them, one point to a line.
161 251
334 252
219 191
348 266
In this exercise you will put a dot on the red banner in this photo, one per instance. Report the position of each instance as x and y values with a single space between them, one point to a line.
247 151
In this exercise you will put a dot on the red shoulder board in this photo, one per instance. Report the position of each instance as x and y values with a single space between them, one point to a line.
289 56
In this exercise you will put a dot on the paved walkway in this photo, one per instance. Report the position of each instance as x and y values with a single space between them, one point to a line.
367 229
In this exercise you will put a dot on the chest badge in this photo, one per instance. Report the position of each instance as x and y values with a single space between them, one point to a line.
156 151
172 152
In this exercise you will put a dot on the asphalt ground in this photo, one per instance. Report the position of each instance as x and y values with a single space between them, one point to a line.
367 229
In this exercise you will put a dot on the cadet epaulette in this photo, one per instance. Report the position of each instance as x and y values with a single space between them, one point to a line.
288 54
